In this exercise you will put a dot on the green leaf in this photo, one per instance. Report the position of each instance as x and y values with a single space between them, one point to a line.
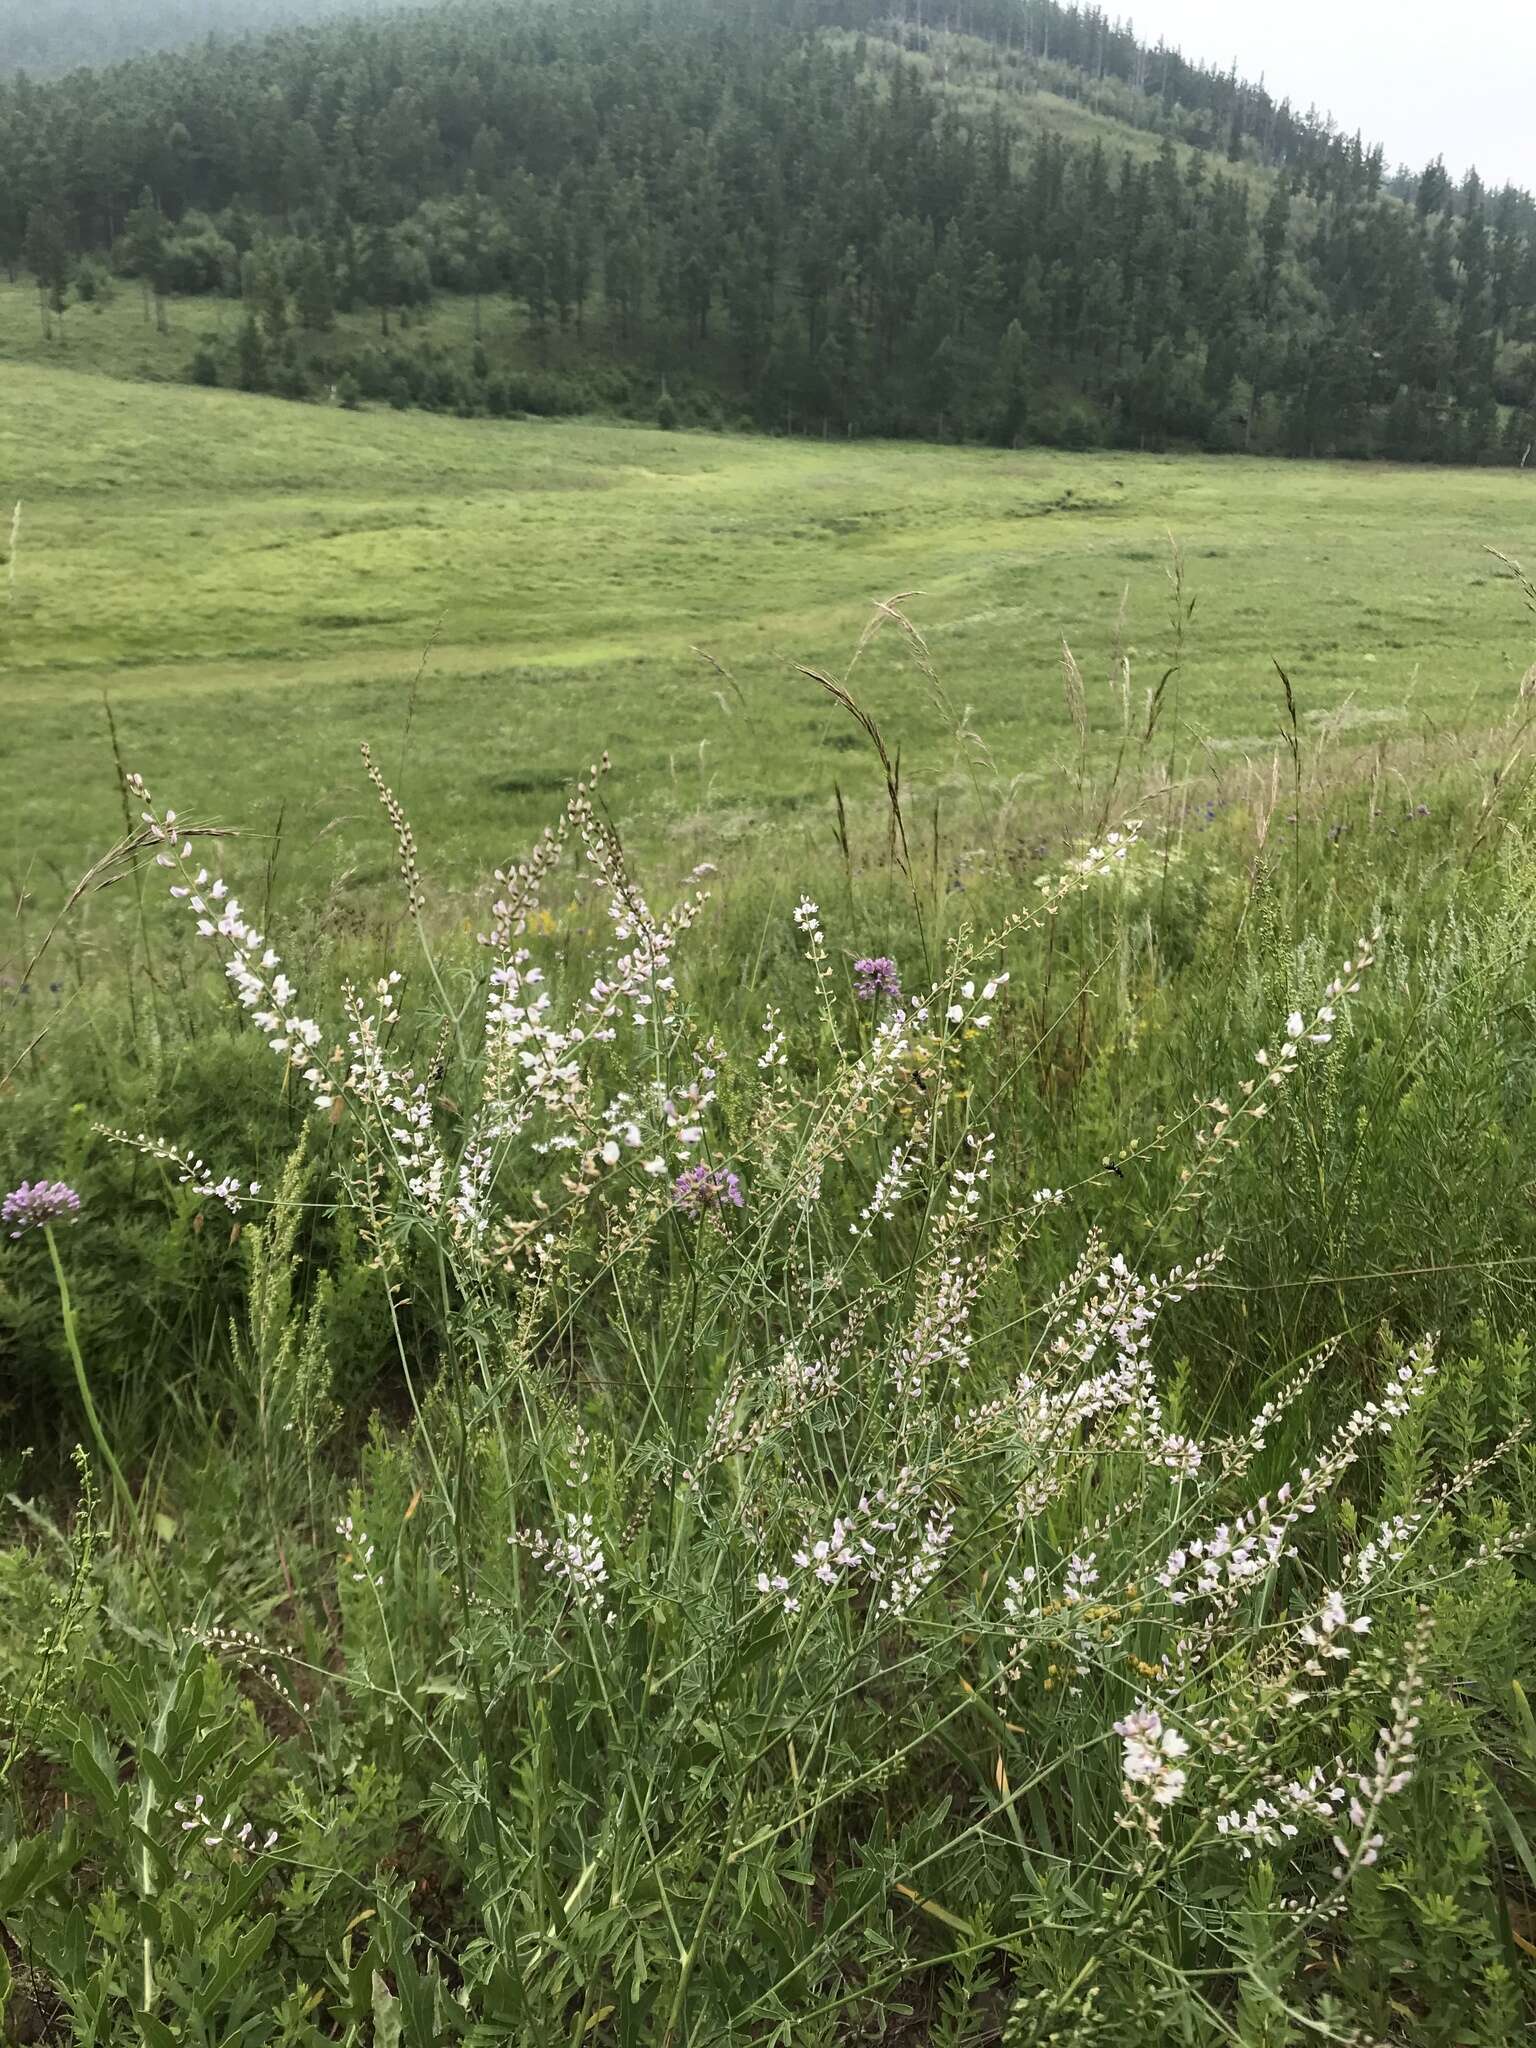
70 1963
1525 1717
386 2015
158 1772
1514 1830
360 1974
182 1717
34 1865
156 1851
123 1693
102 1789
242 1884
248 1950
17 1878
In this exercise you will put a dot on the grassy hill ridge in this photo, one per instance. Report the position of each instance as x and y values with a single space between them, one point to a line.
809 216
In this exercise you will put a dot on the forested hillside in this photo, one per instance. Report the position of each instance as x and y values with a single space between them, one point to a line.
801 210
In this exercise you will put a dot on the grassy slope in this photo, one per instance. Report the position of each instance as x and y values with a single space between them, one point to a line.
118 337
254 583
978 79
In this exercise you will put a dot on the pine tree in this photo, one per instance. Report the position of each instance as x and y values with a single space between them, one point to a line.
381 273
1434 189
302 178
144 244
1272 237
748 300
251 355
474 219
314 294
265 290
46 255
1010 388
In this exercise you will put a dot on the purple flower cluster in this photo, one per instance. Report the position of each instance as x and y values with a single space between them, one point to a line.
876 977
701 1189
36 1203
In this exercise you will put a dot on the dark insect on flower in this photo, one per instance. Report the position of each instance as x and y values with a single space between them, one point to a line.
701 1189
876 977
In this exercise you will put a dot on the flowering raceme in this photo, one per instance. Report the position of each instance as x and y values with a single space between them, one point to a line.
1151 1752
194 1819
701 1190
575 1560
867 1450
876 977
191 1171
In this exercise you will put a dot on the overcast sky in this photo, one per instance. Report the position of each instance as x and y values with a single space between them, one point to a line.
1423 81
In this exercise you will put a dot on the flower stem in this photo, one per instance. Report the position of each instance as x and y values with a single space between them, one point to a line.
71 1338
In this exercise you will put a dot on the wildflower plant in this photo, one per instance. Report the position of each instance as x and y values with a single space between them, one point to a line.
774 1451
36 1204
876 976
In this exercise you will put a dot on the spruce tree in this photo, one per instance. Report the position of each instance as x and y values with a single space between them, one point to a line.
1010 388
251 355
46 254
314 294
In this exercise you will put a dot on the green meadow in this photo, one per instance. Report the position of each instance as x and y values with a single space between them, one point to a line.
653 1495
270 575
767 1225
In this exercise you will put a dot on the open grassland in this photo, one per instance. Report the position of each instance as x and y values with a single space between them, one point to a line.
884 1391
639 1485
252 583
647 1529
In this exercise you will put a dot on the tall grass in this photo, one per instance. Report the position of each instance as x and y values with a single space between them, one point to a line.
946 1463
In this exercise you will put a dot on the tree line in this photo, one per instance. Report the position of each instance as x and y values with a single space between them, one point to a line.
789 209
